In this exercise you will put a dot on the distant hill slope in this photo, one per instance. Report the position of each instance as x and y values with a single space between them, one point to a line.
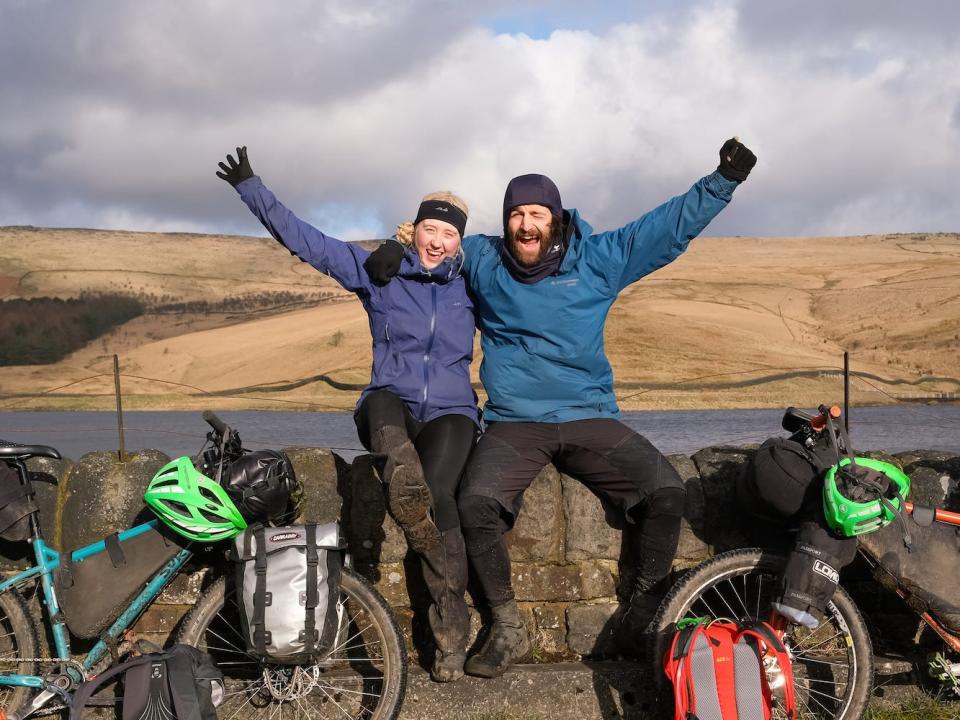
735 322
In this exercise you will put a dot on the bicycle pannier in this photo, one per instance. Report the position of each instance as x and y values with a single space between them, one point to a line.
723 671
288 586
93 592
181 683
16 504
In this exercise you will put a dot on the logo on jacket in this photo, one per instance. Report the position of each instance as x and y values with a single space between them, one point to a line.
828 572
280 537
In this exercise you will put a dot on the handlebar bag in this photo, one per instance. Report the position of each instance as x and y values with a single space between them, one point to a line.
781 479
262 484
16 504
288 589
93 592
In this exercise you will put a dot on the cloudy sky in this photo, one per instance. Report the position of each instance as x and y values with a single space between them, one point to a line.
115 113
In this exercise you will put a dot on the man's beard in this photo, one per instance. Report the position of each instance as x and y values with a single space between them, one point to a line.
546 240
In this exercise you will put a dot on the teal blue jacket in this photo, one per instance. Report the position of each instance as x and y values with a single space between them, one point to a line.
543 356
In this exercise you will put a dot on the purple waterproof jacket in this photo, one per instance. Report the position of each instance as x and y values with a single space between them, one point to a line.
422 322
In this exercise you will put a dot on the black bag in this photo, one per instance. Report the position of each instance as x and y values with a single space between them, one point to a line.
93 592
928 569
781 479
16 504
784 482
181 683
260 484
288 588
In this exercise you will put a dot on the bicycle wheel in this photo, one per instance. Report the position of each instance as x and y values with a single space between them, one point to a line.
364 676
18 639
832 664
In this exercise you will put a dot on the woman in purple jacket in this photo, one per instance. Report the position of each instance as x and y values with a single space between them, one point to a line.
419 412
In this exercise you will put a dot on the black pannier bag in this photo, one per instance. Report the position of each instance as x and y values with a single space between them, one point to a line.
93 592
181 683
288 589
263 486
928 569
16 504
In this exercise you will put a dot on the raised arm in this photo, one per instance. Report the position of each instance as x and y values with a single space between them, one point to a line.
342 261
662 235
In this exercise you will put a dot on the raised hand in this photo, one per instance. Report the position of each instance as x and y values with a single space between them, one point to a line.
237 172
736 160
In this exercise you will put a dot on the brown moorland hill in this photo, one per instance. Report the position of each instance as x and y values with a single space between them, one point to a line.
735 322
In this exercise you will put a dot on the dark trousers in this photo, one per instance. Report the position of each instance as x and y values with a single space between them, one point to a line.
443 445
604 454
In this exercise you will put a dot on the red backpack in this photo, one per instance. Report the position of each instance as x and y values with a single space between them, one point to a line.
718 671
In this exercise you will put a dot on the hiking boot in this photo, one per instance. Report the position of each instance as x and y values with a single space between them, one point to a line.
506 643
445 574
633 627
408 497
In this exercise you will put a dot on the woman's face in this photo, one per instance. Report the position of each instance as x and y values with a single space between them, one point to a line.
435 240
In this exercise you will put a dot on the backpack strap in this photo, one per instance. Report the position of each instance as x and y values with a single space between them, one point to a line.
260 593
676 665
313 593
771 642
87 689
182 683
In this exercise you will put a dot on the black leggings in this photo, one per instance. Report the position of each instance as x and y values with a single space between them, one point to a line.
443 444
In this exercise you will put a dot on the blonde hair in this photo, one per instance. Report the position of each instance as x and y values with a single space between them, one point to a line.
404 232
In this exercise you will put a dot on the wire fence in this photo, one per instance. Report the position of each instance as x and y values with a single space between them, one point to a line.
746 429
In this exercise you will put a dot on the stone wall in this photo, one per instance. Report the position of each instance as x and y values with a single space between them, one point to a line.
565 547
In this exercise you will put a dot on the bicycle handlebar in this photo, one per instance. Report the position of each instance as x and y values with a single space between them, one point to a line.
795 420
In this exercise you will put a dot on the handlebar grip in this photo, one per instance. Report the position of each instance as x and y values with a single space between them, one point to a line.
216 423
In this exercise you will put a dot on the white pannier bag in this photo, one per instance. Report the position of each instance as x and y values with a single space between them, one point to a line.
288 590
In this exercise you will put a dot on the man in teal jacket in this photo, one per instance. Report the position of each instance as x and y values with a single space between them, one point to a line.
542 293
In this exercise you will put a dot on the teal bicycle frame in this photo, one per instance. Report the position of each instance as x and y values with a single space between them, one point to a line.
48 560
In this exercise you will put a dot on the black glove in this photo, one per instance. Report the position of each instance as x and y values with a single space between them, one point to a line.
736 160
384 262
237 172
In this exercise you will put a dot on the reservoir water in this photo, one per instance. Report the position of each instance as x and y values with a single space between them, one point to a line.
893 428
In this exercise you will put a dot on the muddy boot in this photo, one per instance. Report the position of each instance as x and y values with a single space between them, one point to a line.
634 622
506 643
445 574
408 497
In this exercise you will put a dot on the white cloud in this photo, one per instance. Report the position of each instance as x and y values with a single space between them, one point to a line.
352 112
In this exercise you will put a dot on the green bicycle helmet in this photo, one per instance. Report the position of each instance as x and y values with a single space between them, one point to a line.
864 499
192 504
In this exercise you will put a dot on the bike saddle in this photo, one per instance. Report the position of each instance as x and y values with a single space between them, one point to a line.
16 451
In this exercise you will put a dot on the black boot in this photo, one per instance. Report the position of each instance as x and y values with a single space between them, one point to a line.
506 643
640 608
445 574
408 496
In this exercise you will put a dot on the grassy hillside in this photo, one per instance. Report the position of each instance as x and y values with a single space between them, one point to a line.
735 322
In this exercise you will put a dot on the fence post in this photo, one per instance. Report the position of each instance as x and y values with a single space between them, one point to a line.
122 454
846 391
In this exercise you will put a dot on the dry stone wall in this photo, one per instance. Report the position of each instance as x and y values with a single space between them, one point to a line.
566 546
